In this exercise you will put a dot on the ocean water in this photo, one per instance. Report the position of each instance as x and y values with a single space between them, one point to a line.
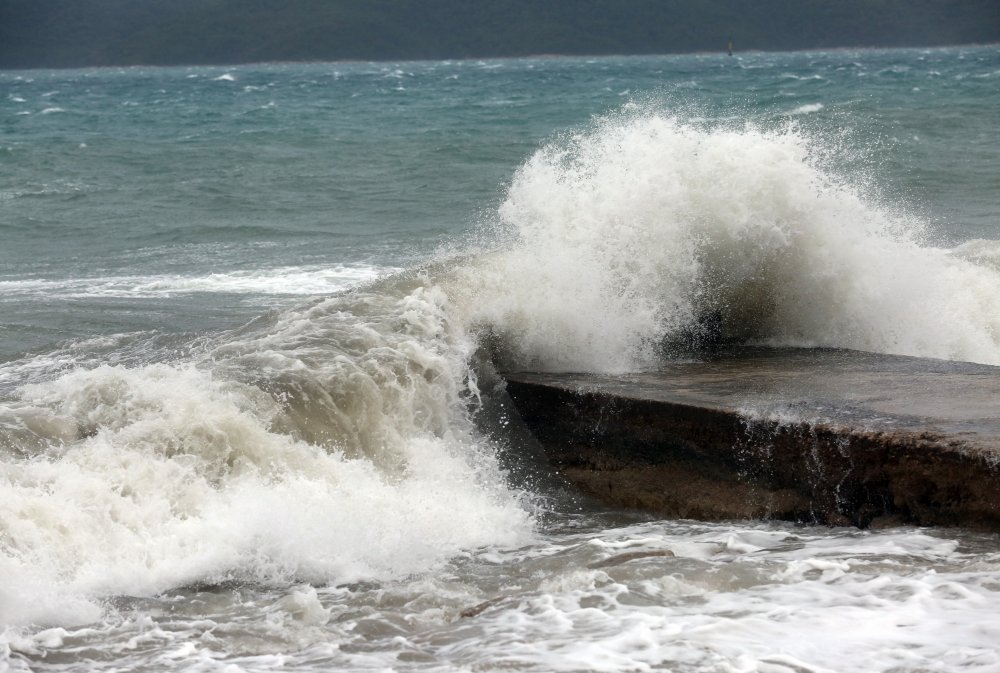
253 323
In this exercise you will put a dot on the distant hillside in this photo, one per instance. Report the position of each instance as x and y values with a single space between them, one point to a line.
67 33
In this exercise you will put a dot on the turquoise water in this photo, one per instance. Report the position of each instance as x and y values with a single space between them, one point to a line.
246 415
139 173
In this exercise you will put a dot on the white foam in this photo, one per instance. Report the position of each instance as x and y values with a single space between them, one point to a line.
290 281
749 598
979 251
131 481
732 597
623 235
807 109
284 280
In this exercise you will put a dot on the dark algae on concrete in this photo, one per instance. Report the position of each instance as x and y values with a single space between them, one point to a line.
825 436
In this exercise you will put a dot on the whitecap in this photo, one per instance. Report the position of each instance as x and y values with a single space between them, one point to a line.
287 281
807 109
625 235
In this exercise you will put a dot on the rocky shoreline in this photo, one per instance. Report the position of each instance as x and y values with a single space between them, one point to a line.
822 436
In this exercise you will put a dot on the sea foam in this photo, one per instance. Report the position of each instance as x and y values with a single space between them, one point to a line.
289 281
807 109
644 227
325 444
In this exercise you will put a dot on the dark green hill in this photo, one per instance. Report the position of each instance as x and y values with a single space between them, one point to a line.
66 33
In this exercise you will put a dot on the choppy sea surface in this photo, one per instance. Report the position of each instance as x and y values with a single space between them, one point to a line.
252 317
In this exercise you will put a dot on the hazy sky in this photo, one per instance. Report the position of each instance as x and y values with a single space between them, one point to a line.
103 32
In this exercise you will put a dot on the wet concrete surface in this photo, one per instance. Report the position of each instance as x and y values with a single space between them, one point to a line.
826 436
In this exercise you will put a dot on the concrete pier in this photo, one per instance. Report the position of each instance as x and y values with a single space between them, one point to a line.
825 436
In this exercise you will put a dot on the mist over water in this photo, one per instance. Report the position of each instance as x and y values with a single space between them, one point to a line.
250 409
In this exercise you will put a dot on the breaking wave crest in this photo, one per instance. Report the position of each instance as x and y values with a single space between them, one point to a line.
645 230
326 444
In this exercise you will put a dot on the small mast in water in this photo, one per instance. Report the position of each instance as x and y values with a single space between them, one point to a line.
729 45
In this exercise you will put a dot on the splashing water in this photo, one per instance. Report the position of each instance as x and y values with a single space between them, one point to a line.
633 232
339 457
267 458
324 487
